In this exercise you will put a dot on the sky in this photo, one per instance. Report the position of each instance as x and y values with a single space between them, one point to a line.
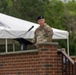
67 0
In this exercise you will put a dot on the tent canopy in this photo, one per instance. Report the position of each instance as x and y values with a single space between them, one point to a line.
11 27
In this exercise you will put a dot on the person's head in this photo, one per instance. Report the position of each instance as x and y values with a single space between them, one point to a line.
41 20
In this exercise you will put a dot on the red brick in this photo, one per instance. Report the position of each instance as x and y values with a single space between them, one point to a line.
43 62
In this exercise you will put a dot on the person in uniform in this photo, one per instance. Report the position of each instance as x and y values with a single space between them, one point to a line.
43 33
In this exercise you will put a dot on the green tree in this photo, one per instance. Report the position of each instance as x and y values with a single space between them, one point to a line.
55 14
31 9
71 6
24 9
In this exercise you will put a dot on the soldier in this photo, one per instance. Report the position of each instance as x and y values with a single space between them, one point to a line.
43 33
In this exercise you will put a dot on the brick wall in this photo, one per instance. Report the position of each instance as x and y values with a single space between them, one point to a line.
43 61
59 64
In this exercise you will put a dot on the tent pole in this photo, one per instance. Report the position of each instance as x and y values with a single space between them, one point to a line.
6 45
13 45
68 45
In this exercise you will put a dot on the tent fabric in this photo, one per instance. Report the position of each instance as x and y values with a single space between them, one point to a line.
60 34
11 27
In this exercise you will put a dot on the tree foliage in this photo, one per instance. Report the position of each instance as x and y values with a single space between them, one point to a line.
24 9
55 14
71 6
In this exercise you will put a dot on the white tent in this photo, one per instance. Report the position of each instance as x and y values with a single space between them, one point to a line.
11 27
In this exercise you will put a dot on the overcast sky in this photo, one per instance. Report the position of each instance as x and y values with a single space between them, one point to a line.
67 0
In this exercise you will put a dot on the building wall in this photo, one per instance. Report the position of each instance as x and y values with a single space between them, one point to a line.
43 61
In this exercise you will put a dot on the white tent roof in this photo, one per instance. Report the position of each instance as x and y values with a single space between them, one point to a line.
11 27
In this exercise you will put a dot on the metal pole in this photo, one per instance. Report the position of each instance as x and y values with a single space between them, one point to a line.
6 45
13 45
68 45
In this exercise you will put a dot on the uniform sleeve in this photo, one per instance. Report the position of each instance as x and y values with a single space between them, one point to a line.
49 34
34 39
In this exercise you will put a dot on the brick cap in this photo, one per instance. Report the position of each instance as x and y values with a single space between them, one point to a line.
48 43
20 52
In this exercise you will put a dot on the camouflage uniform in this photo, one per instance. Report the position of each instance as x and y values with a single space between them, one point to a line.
43 34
